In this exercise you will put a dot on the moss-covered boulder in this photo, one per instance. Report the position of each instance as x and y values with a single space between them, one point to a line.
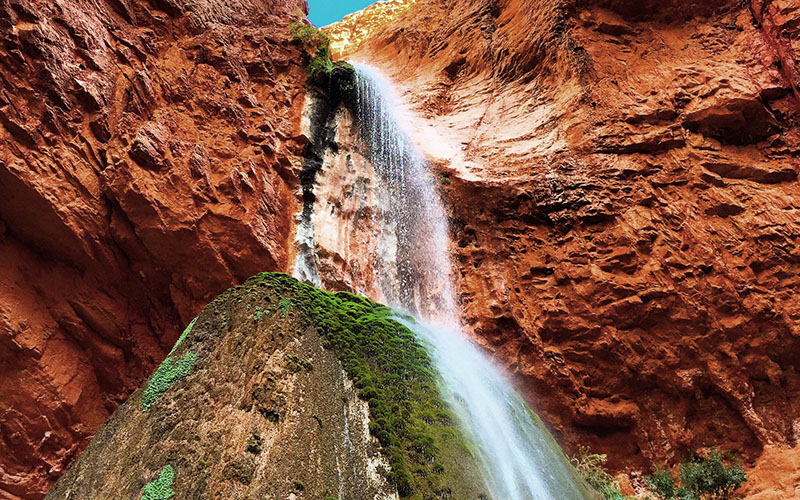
281 389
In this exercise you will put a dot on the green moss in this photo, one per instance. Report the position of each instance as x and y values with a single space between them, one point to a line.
161 487
393 374
165 375
183 336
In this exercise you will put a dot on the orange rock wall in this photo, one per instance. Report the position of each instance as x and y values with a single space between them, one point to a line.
149 152
623 187
349 32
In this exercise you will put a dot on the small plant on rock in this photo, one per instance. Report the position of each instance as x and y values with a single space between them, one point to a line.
161 487
254 444
284 305
591 467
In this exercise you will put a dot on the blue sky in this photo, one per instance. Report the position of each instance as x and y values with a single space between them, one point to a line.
325 12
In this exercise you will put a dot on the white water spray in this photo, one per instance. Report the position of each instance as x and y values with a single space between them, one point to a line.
518 457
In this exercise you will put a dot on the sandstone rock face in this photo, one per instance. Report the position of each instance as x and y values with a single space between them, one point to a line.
623 188
347 34
148 156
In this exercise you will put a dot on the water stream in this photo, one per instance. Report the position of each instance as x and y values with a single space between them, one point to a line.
518 457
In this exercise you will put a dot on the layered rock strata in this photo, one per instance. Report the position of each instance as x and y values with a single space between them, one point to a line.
148 160
622 180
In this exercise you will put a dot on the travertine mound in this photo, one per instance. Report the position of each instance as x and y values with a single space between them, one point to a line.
279 390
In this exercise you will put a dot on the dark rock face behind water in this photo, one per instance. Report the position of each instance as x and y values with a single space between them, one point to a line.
622 178
148 159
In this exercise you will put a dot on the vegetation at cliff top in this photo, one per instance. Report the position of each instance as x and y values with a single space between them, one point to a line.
334 78
161 487
393 374
316 46
711 477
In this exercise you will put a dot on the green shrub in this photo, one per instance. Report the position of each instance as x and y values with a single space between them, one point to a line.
701 478
161 487
313 41
591 468
661 483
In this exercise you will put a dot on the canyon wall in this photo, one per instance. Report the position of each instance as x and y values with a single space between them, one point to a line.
622 181
149 152
348 33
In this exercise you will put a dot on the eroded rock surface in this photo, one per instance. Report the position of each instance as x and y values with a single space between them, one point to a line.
622 178
348 33
148 158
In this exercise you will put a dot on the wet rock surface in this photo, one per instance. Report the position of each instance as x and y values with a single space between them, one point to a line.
149 153
623 189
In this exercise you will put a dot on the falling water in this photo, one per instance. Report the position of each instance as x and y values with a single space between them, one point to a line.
518 457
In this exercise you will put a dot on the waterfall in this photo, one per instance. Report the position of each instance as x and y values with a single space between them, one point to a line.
415 224
518 457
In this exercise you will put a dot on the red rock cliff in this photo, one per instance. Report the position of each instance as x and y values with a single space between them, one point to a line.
623 179
147 162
